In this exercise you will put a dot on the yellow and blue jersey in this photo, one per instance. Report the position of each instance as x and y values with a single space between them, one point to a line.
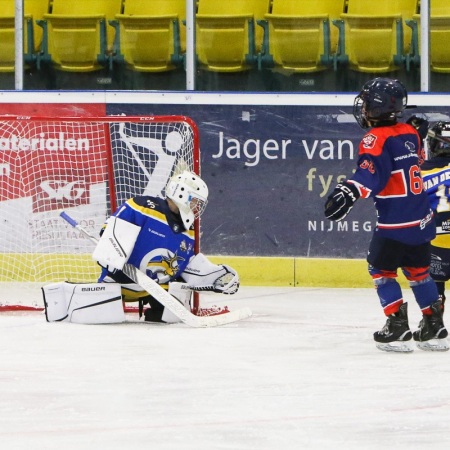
163 247
436 181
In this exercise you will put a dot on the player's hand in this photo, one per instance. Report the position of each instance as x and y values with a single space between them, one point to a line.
340 201
421 125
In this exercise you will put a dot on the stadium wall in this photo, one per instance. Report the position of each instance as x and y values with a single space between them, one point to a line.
270 161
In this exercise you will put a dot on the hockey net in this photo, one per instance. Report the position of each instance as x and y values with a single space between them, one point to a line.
88 167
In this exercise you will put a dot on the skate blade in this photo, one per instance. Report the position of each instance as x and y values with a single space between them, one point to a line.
433 345
396 346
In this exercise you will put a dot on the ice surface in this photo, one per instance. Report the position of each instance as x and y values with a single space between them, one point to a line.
302 373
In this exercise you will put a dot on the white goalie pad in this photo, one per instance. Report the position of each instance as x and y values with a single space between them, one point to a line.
87 303
116 243
202 275
183 294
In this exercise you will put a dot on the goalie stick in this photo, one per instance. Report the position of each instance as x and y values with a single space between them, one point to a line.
163 297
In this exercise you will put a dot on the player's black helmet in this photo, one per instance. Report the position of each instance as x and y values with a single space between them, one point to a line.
380 100
439 144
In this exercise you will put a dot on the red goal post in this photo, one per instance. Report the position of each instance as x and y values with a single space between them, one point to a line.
87 166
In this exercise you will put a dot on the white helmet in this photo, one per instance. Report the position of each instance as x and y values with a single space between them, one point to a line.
190 193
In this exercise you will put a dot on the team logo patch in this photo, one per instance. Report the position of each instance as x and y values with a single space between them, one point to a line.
161 264
410 146
368 165
369 140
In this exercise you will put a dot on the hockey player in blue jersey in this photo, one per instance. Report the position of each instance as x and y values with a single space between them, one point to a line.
161 238
388 171
436 180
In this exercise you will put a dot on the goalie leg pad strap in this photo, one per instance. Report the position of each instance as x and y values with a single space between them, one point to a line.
116 244
55 302
87 303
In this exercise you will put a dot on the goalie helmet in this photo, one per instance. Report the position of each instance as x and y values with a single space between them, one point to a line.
439 142
380 100
190 193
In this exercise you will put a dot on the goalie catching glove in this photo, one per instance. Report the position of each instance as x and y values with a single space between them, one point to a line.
341 200
202 275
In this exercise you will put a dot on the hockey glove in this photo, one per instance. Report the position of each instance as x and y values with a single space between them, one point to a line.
202 275
340 201
227 283
421 125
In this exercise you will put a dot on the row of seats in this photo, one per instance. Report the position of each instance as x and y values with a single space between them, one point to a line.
32 33
233 35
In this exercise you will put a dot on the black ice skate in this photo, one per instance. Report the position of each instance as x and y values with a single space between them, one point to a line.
431 335
394 336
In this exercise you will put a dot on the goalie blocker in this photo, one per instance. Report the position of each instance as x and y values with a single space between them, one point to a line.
116 244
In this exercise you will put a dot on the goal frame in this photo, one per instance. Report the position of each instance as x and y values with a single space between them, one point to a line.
107 120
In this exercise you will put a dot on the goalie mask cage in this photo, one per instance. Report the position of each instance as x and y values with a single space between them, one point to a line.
87 166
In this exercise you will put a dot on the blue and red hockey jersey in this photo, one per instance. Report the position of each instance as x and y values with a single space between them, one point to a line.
163 247
388 170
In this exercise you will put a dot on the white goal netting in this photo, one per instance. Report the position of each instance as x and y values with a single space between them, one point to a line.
87 167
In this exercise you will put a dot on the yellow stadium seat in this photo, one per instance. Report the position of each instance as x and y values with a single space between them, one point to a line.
372 34
33 10
382 7
406 8
439 37
439 8
76 37
298 36
227 37
150 34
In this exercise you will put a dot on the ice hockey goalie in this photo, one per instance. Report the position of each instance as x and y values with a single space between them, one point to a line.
156 236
